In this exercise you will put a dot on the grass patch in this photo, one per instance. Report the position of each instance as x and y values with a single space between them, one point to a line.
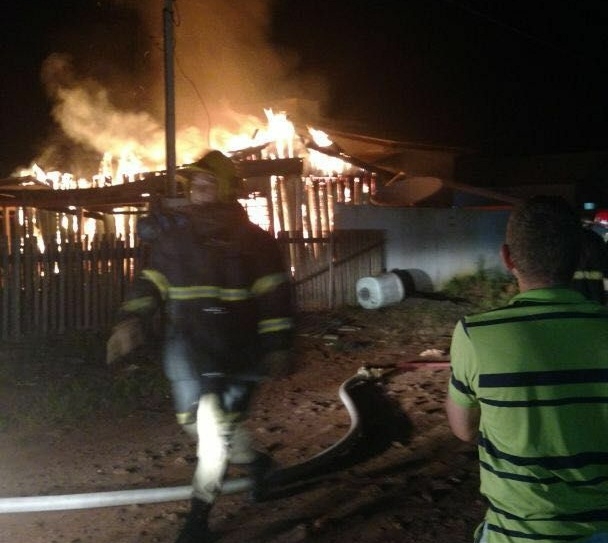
64 381
485 289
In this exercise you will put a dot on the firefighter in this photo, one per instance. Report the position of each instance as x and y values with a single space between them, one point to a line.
224 298
600 224
591 275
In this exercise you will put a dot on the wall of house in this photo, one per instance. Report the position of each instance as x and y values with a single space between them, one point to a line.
434 245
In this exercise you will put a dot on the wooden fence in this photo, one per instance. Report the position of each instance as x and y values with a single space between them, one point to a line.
78 284
325 270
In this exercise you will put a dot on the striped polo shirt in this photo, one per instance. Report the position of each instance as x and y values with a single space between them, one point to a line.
538 370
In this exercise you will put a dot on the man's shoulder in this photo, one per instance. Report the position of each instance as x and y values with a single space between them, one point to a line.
523 308
488 314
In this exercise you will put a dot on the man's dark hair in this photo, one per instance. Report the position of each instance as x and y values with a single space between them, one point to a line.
544 239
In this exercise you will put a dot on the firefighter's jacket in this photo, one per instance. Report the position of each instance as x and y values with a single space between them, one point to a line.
220 285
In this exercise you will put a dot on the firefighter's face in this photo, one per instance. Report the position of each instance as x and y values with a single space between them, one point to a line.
203 189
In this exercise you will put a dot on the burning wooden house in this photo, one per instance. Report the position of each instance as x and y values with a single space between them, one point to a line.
286 194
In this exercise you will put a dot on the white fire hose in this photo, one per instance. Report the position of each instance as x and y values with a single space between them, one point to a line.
158 495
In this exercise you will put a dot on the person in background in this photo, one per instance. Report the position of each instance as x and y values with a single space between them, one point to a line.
528 387
591 275
221 289
600 224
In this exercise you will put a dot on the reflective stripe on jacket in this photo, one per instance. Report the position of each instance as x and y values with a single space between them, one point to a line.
221 286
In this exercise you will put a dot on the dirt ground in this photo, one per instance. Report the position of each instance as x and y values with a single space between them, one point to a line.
404 478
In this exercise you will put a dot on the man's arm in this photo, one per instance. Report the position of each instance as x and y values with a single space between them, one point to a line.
462 407
464 421
276 309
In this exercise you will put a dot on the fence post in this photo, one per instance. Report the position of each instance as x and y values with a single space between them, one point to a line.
6 286
15 286
330 270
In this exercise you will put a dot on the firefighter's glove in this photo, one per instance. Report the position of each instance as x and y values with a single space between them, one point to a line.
277 364
126 337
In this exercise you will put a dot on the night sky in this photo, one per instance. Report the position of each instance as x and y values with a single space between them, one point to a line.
31 31
506 77
526 76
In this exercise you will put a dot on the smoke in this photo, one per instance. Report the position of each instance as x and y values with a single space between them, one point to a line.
84 111
225 63
225 73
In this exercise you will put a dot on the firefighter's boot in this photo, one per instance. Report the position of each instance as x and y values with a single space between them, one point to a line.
196 529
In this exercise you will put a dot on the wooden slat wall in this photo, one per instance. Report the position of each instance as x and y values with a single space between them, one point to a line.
78 284
325 269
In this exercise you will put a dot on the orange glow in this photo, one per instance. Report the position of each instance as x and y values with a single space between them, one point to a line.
325 164
276 138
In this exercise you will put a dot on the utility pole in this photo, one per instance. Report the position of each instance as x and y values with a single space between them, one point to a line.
169 100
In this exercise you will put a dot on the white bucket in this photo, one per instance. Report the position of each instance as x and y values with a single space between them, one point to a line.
379 291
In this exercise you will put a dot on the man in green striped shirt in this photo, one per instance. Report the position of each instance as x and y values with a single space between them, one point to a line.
529 385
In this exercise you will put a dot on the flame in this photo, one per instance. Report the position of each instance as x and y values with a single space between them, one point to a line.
327 165
281 132
276 138
319 137
237 133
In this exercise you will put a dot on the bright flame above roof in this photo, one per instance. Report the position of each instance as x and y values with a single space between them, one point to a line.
277 139
319 137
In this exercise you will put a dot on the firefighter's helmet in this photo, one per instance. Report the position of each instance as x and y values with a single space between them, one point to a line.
212 179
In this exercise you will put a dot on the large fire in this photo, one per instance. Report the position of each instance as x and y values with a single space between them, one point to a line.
277 138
